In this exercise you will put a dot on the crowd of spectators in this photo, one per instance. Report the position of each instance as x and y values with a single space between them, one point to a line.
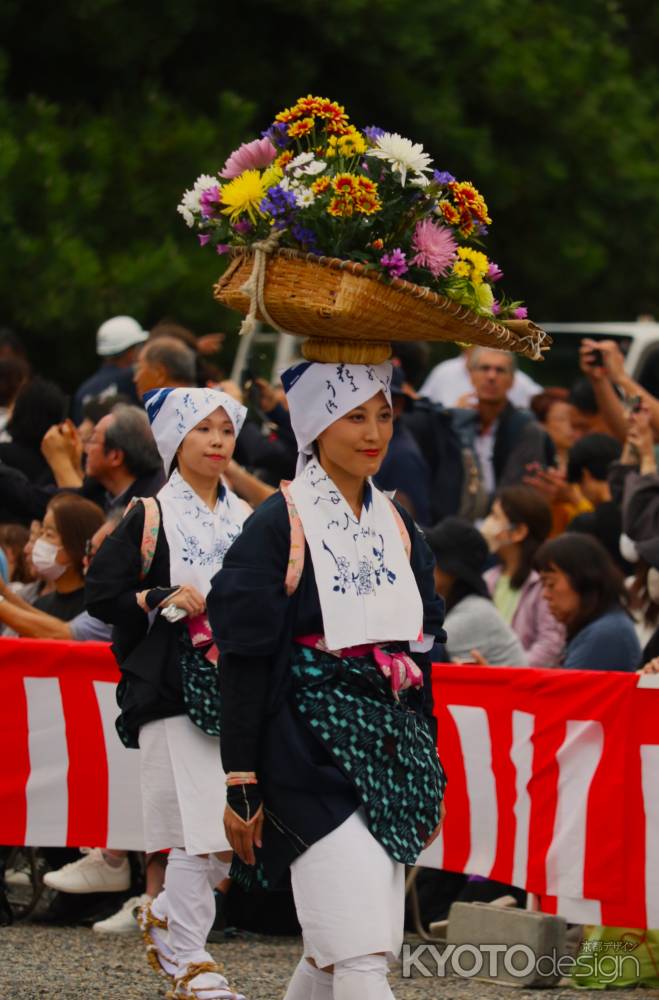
540 504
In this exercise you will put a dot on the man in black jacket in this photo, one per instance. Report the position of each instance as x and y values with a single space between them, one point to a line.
504 438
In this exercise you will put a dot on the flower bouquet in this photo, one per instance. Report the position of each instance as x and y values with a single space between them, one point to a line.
351 237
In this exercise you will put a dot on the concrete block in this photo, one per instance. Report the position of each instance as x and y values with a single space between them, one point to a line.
504 945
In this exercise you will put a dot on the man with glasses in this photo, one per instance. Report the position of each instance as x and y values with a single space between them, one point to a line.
504 438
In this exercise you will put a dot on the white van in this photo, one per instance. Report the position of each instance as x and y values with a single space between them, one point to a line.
639 342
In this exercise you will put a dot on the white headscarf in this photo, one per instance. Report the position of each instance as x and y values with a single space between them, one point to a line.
319 394
173 413
198 538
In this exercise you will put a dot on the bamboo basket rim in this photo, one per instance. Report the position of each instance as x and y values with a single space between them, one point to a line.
523 330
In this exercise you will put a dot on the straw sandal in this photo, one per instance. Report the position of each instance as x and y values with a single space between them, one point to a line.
185 989
158 953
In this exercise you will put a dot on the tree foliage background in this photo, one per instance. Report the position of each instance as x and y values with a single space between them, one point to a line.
110 108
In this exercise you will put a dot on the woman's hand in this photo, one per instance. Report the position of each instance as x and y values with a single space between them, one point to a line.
188 599
438 829
641 438
651 667
244 836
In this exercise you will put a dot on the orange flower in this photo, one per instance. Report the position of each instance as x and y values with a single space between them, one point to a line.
449 212
284 159
301 128
467 197
321 185
378 244
340 206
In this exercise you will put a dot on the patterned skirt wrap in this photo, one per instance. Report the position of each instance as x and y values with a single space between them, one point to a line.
384 748
381 744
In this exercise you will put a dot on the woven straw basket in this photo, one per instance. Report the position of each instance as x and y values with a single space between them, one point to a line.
351 314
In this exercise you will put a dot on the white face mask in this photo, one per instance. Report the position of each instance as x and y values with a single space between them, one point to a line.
628 549
44 558
494 532
652 584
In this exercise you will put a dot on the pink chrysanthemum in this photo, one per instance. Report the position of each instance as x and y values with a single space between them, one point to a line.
254 155
435 247
521 312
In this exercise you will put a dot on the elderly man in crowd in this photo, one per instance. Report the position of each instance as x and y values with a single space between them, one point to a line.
504 438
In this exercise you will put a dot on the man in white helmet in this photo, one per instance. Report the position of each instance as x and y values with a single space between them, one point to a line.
117 343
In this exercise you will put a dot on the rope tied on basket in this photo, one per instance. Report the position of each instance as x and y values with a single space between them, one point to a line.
255 284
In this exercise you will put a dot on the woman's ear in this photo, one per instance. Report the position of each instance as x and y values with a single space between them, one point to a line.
519 532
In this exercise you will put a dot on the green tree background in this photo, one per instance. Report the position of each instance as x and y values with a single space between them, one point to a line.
109 109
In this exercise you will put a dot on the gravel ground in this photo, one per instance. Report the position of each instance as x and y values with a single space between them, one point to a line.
39 962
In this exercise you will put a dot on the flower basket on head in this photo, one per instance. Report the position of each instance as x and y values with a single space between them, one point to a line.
341 236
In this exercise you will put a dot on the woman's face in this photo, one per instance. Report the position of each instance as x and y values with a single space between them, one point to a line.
497 530
559 426
208 448
559 594
49 533
357 442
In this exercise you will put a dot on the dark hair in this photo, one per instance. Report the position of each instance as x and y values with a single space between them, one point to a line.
582 396
76 520
39 404
15 537
11 344
13 372
638 599
594 452
413 356
178 360
130 432
95 409
592 574
524 505
543 402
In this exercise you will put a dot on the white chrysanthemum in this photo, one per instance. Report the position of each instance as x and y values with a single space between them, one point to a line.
420 181
300 160
190 203
304 197
402 154
309 169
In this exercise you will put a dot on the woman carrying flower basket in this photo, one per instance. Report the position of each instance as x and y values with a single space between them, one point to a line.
324 610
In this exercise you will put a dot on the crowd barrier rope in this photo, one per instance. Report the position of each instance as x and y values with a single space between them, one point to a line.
553 774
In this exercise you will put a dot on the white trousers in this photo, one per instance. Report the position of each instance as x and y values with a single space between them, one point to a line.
349 896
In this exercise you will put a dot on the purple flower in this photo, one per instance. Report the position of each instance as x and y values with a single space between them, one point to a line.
395 262
209 202
280 204
243 227
442 177
305 237
373 132
222 248
481 229
278 135
203 239
494 272
521 312
496 308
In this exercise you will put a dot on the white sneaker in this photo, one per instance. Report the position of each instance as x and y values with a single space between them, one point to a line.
91 873
123 921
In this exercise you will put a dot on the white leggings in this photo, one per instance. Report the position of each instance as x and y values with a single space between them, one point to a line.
188 903
362 978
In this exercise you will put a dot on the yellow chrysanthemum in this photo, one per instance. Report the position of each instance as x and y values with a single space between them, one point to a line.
471 264
352 143
461 269
245 193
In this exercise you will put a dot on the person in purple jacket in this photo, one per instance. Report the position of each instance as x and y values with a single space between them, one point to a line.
518 524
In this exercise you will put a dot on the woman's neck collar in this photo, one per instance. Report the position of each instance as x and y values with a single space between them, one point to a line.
350 487
207 490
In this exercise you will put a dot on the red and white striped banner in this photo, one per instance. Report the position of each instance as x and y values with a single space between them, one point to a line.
553 774
553 787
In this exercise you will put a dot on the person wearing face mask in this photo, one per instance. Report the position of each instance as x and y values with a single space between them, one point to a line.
150 580
518 524
58 557
585 591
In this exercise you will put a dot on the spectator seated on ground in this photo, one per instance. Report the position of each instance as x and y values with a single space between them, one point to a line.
585 592
588 467
475 630
117 343
58 555
518 524
505 439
